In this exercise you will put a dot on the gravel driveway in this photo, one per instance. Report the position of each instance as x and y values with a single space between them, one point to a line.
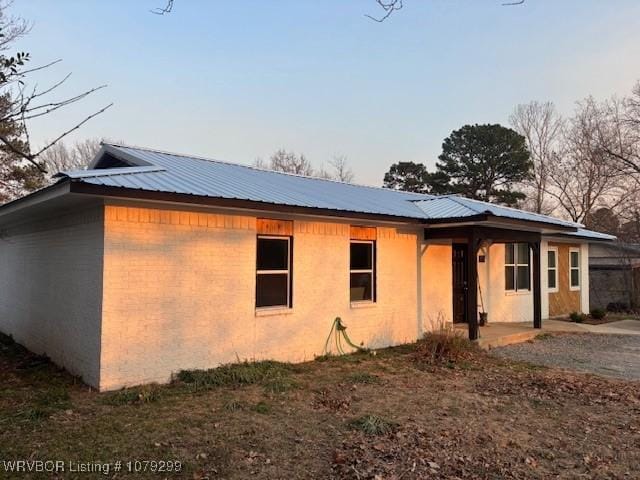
608 355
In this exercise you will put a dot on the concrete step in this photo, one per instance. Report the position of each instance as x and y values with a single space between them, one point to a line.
491 341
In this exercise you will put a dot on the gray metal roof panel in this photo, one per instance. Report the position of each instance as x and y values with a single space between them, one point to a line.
444 207
174 173
453 206
512 213
590 234
212 178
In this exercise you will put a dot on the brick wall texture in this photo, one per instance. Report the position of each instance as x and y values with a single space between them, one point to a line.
179 293
51 288
122 295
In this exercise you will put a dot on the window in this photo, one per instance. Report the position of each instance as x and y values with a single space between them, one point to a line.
273 272
362 271
516 267
574 269
552 269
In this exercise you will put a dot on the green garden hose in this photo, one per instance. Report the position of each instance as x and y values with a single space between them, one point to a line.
339 331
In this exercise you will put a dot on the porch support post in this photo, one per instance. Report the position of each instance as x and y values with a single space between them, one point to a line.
472 284
537 294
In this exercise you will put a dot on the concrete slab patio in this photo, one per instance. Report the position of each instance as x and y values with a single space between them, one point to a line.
501 334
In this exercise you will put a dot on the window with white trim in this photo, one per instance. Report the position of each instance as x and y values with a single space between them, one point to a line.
552 269
517 272
574 268
273 271
362 271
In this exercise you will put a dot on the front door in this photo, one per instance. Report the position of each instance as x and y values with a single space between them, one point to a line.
459 283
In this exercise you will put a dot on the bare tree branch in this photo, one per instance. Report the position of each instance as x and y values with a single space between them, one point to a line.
388 7
162 10
31 157
542 127
64 134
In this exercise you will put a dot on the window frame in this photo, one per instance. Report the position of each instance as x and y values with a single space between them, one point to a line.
288 272
555 269
372 271
573 287
516 263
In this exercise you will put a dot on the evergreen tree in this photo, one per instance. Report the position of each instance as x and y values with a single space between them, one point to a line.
484 162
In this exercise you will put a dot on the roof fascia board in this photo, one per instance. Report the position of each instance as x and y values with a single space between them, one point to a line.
44 195
495 220
239 204
457 221
565 238
507 222
222 210
497 235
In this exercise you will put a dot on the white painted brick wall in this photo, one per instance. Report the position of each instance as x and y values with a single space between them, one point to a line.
51 286
130 295
437 282
179 293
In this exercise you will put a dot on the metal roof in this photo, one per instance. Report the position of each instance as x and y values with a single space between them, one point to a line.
157 171
211 178
451 206
590 234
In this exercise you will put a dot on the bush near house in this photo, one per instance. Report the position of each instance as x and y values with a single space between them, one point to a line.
444 345
598 313
577 317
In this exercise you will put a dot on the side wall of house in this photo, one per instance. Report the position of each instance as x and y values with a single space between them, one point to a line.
566 299
179 292
437 285
51 289
502 305
508 306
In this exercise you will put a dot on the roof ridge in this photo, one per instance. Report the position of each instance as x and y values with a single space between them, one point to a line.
252 167
457 198
431 197
108 172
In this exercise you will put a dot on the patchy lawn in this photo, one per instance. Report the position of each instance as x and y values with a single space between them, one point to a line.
358 416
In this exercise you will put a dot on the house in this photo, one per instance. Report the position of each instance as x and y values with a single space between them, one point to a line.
151 262
614 275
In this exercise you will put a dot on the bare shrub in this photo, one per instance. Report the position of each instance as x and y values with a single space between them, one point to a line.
444 345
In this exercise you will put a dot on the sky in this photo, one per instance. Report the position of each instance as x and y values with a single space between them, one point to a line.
238 80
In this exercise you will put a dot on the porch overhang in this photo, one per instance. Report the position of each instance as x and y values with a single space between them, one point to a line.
474 236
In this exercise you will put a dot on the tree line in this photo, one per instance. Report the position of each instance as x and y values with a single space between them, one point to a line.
585 167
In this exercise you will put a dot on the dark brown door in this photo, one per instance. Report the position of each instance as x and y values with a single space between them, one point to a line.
459 283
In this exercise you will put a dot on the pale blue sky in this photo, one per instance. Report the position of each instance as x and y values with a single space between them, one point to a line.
238 80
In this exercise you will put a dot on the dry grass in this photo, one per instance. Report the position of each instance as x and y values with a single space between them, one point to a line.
332 420
445 345
373 425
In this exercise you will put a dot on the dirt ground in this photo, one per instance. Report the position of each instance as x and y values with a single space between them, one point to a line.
482 418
